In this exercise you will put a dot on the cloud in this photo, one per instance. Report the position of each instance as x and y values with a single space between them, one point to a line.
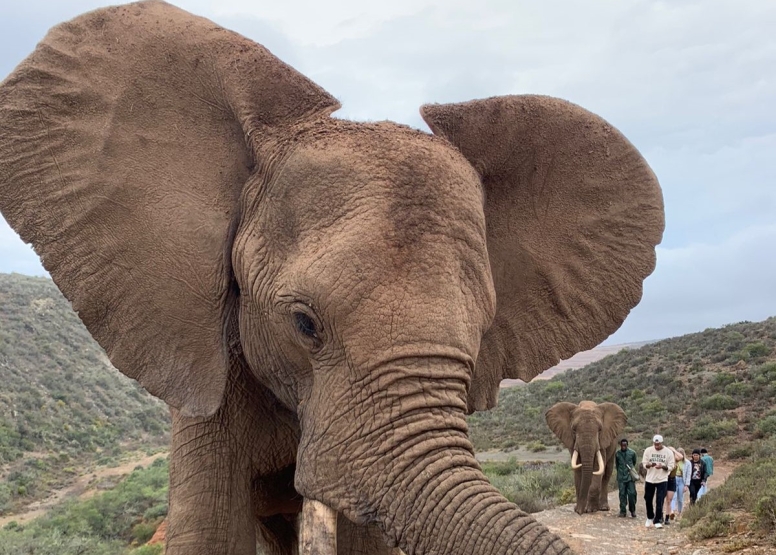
15 255
689 82
706 285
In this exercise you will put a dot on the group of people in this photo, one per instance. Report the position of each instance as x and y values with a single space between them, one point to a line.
669 474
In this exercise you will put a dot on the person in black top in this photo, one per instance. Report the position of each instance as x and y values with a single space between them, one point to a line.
697 475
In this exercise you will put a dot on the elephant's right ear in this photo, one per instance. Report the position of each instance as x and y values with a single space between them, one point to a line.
125 142
558 419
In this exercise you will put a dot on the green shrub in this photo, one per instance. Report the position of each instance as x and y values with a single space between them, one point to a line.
738 453
757 350
536 447
155 549
143 532
713 525
767 426
718 402
765 511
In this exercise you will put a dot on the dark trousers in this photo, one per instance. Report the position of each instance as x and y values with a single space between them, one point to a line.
655 513
695 486
627 496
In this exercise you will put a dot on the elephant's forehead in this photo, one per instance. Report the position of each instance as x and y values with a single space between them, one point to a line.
405 172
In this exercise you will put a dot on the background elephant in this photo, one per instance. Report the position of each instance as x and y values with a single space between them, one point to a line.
320 301
589 431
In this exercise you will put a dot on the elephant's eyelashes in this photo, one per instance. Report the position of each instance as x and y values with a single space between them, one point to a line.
305 325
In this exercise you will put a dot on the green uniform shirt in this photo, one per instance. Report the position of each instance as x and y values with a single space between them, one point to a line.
708 462
623 459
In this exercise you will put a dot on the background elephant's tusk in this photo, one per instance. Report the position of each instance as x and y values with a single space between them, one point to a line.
574 458
318 529
600 460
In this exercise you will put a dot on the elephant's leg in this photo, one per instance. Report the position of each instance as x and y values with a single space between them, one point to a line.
210 478
214 465
581 503
603 503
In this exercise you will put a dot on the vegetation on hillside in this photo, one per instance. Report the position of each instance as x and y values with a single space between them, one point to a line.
111 523
714 388
743 507
62 405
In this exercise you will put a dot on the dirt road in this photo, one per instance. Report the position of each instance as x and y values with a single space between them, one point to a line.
604 533
84 486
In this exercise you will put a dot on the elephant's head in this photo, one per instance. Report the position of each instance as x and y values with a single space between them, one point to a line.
193 198
589 431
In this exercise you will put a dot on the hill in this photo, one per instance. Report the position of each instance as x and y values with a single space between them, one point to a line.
62 405
579 360
713 388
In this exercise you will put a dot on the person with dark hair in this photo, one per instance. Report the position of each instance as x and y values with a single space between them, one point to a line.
697 475
708 464
625 462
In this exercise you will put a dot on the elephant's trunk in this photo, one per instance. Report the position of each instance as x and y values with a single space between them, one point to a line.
410 469
584 477
450 507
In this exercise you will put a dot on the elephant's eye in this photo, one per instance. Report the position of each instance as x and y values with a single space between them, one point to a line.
305 325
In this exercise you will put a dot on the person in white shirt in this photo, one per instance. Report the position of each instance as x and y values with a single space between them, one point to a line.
659 462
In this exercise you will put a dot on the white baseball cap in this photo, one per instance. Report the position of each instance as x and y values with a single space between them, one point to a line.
657 439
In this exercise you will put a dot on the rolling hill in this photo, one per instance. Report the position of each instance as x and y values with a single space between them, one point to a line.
716 387
62 405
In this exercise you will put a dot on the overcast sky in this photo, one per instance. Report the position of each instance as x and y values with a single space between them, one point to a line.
691 83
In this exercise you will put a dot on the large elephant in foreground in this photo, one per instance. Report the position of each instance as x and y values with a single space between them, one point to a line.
320 301
589 430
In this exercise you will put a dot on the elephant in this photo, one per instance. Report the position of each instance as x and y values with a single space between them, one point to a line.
589 431
320 302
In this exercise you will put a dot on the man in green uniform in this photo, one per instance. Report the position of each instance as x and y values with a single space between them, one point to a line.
624 459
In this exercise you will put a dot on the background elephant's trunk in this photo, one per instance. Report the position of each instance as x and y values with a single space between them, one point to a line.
584 475
400 458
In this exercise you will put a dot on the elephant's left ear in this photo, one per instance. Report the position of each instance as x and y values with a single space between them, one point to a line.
126 139
573 215
614 421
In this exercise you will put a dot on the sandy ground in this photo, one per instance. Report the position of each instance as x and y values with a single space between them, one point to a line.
604 533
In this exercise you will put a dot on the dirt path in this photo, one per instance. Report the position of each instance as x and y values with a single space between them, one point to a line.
84 486
604 533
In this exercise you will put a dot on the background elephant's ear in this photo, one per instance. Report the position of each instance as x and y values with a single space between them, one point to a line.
614 421
573 215
558 418
123 153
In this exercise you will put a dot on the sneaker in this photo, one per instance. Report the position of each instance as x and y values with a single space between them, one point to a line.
648 523
658 525
633 514
667 522
622 515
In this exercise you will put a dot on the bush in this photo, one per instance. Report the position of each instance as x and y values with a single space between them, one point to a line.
534 488
155 549
765 511
718 402
536 447
749 488
738 453
713 525
707 430
767 426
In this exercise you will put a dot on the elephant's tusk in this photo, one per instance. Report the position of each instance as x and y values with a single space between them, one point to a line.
574 458
318 529
600 460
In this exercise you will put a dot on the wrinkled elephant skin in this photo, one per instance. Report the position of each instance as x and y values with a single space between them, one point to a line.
320 301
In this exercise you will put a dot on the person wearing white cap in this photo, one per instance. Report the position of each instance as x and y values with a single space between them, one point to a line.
659 463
